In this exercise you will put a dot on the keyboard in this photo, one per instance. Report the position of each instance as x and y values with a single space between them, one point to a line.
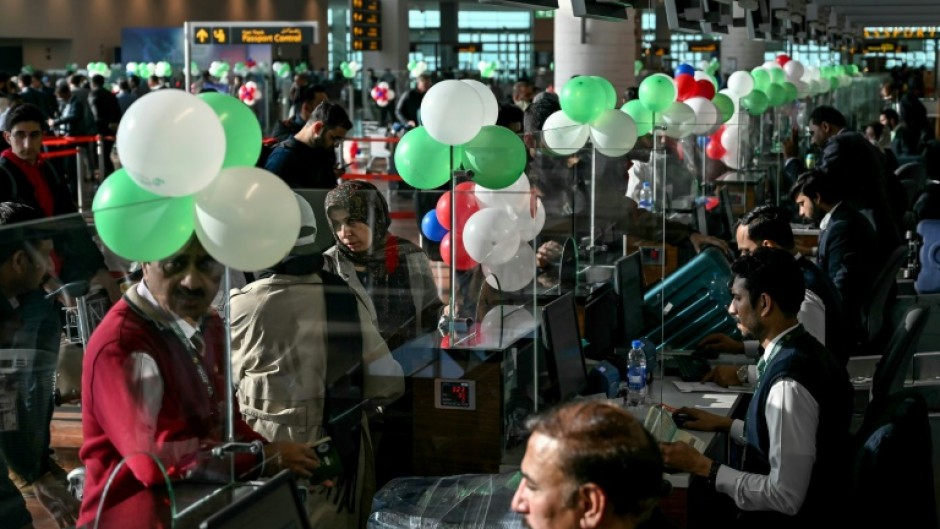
691 368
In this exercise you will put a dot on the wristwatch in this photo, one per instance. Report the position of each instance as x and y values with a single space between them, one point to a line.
742 374
713 473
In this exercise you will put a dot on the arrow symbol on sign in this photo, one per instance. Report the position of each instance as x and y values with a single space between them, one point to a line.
219 35
202 35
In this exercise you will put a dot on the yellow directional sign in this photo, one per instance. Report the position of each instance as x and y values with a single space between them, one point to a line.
202 36
218 35
366 25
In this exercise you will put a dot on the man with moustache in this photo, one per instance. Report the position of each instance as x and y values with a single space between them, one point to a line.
308 160
590 465
795 434
153 387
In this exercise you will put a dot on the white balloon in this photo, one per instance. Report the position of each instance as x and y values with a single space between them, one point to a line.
731 160
490 236
529 227
707 117
514 197
514 274
729 138
247 218
740 83
171 143
503 324
452 112
563 135
794 70
702 65
802 89
613 133
490 106
678 120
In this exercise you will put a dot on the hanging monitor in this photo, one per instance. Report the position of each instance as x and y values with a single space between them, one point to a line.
717 17
538 5
613 10
685 15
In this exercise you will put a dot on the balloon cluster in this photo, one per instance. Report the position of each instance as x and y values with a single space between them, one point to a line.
218 69
350 69
494 228
249 93
382 94
98 68
281 69
487 68
194 68
416 68
163 69
240 68
188 167
301 68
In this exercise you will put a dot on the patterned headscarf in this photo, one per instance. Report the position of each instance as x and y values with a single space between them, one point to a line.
364 203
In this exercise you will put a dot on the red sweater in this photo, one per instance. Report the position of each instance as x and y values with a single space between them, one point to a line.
115 425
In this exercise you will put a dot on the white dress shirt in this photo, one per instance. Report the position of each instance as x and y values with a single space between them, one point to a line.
792 416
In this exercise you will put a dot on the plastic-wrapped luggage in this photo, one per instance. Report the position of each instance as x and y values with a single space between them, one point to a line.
478 501
928 280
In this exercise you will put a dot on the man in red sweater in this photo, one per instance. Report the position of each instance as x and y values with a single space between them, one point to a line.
153 390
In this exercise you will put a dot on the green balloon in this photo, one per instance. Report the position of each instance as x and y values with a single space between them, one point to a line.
657 92
637 66
853 69
725 106
641 116
775 95
242 130
139 225
761 79
496 156
791 91
583 99
610 93
421 160
833 82
777 75
755 103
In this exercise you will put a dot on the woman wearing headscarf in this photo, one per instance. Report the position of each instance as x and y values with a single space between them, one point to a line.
392 272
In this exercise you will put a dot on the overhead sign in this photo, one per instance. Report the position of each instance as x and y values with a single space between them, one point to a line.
366 25
924 32
703 46
884 46
254 34
468 47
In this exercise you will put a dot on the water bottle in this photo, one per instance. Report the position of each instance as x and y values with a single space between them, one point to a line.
810 161
636 375
646 197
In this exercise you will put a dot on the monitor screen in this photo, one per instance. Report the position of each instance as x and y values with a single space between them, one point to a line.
600 322
630 284
274 505
685 15
613 10
565 360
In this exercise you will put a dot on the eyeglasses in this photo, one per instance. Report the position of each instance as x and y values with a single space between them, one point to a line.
204 264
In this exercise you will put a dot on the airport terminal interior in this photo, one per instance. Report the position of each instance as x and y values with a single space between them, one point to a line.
323 263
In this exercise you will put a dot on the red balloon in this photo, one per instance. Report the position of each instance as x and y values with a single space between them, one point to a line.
714 150
466 205
685 86
705 89
464 261
467 187
782 59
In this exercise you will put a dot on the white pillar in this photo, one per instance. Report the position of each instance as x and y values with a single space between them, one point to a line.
608 48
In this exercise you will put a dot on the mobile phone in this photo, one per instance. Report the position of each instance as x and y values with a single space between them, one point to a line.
330 464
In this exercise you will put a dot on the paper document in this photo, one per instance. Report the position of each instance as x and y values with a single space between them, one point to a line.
659 422
709 387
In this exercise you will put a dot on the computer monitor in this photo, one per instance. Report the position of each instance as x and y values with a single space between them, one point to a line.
274 505
564 359
600 322
630 285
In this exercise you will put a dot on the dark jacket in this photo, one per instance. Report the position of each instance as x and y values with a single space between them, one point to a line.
846 254
285 129
107 111
302 166
806 361
408 106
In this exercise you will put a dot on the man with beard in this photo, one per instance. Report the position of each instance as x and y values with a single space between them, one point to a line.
590 465
308 160
846 250
795 434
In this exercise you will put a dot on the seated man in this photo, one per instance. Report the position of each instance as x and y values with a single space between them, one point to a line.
308 363
590 465
153 391
848 250
308 99
821 312
796 437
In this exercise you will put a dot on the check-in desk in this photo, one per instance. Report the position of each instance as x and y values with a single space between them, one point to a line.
745 189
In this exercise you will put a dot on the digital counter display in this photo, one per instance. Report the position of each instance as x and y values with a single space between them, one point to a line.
455 394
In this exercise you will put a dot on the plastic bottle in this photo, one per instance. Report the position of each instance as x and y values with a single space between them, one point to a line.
810 161
636 375
646 197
